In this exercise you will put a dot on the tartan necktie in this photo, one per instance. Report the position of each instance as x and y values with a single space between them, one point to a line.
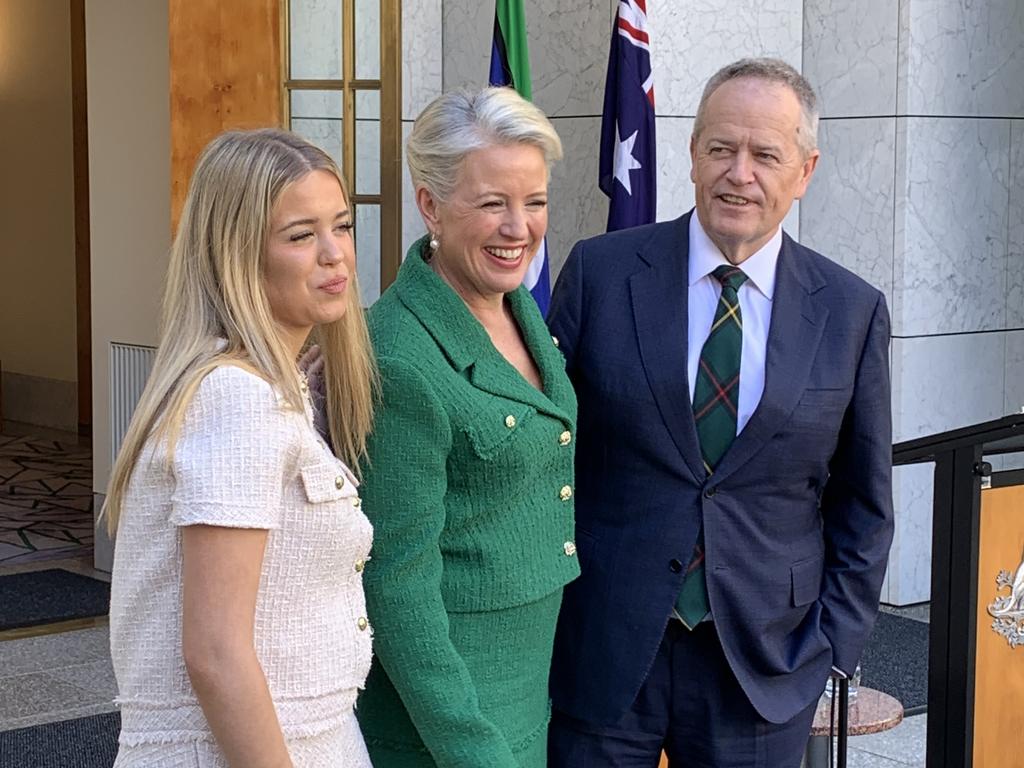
715 401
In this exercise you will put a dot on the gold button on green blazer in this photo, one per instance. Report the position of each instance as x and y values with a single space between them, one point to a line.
473 532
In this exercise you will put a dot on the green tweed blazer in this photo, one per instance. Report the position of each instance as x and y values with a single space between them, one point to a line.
468 487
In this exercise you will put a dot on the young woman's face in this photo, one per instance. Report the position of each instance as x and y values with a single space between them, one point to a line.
310 256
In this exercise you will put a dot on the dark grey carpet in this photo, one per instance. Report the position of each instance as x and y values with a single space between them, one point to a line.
896 660
27 599
88 742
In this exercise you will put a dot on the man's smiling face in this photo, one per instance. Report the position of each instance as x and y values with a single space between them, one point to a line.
747 164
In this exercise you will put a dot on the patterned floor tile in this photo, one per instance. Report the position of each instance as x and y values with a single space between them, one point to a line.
46 501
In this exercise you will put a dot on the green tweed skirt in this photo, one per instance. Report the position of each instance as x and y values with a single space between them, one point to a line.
508 653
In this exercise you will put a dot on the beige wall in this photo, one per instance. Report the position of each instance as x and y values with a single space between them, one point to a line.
37 246
129 187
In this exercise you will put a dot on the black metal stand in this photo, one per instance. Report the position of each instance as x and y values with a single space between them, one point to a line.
844 722
960 466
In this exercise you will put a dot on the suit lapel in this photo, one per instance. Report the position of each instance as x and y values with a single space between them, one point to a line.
659 293
468 347
798 321
492 373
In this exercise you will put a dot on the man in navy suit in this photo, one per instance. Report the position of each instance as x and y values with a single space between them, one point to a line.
733 459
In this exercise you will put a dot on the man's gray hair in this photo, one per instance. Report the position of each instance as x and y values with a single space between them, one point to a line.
459 122
773 71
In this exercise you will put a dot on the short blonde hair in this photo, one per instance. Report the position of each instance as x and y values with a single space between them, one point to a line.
459 122
214 290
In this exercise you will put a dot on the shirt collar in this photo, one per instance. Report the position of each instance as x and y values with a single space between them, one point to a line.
759 267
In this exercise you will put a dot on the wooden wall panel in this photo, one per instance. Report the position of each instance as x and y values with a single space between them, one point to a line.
999 669
225 73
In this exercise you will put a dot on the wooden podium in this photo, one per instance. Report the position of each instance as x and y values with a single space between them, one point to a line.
976 641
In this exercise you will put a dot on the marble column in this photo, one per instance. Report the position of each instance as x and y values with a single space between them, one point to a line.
920 191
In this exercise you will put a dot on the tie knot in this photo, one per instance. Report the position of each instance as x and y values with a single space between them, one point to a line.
730 276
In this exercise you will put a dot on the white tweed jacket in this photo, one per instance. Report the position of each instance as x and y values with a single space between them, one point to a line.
243 460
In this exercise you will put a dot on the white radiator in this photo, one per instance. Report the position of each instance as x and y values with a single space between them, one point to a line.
129 369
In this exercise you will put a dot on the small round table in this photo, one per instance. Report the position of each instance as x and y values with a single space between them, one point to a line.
870 712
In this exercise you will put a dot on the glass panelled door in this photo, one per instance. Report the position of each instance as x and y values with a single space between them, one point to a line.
341 92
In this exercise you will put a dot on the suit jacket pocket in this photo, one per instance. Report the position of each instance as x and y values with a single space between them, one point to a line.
495 427
806 576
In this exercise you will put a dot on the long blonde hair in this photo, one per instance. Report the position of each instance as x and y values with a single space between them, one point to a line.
214 291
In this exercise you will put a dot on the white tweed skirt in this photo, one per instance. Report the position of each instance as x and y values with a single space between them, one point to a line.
340 747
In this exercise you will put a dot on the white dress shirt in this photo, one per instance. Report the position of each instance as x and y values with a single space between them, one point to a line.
755 297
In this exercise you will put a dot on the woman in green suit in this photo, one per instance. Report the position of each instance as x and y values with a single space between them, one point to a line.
470 478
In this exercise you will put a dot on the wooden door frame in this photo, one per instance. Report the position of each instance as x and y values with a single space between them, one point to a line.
83 282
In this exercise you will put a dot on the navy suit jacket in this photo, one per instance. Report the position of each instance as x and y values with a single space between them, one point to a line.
797 515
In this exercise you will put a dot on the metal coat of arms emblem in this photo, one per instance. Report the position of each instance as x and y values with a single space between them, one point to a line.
1007 611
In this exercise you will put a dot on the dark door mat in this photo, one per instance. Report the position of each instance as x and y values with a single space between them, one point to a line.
88 742
896 661
43 597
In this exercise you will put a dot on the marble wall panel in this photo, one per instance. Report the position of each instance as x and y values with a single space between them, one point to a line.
569 54
577 207
691 41
951 225
568 44
850 55
324 133
1013 377
1015 251
315 27
944 382
367 234
367 36
847 213
422 59
412 224
908 579
939 383
316 104
960 57
675 190
467 27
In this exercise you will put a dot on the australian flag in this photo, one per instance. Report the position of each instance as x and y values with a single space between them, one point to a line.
628 173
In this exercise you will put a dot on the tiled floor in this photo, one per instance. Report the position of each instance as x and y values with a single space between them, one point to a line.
902 746
55 677
45 496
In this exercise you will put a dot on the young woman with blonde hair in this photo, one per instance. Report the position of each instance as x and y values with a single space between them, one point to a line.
237 620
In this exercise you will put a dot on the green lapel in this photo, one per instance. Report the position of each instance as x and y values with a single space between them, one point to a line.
467 346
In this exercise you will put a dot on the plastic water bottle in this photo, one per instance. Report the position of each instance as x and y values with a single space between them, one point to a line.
854 685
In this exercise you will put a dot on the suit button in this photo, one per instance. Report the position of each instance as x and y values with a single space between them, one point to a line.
339 482
360 564
510 421
362 623
569 548
675 566
565 438
566 493
357 502
554 339
710 491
